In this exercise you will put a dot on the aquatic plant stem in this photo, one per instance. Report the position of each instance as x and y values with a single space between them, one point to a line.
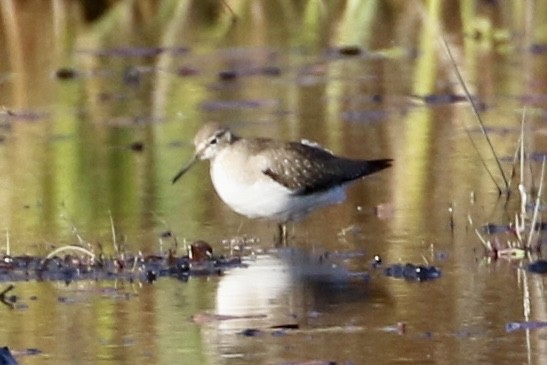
522 146
481 124
519 154
535 216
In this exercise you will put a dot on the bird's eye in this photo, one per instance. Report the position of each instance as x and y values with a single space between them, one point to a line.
213 140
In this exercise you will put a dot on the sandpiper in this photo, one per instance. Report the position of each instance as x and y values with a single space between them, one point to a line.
277 180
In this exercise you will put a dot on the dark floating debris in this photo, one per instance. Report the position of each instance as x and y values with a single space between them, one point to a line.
364 116
250 332
186 71
166 234
85 265
270 71
204 317
66 73
522 326
230 75
277 330
537 156
216 105
310 362
538 48
132 76
350 51
6 357
137 146
289 326
137 51
491 228
30 352
444 98
376 261
413 272
537 267
227 75
23 115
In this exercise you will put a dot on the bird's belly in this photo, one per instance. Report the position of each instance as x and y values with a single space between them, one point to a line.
265 198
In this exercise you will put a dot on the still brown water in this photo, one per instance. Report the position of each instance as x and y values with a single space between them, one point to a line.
148 76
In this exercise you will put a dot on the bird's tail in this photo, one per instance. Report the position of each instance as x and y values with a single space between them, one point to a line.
377 165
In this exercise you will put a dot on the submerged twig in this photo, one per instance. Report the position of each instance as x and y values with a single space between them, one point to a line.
5 291
3 298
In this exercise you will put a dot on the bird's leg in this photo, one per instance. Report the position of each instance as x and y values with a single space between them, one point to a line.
282 235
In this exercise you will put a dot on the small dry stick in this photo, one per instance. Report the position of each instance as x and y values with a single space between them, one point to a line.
519 153
76 232
486 244
8 246
113 230
69 248
234 16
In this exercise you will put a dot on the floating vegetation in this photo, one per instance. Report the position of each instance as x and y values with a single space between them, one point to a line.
232 74
410 271
82 264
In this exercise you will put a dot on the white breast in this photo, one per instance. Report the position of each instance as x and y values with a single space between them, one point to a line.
259 196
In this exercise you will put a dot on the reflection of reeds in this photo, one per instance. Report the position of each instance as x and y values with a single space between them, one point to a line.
14 44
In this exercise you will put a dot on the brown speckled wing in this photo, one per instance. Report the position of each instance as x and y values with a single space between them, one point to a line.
306 169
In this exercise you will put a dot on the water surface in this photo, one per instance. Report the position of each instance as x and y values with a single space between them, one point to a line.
104 142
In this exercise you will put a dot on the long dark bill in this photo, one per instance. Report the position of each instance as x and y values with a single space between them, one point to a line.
184 169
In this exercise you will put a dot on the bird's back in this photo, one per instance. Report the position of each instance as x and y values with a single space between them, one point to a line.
306 169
